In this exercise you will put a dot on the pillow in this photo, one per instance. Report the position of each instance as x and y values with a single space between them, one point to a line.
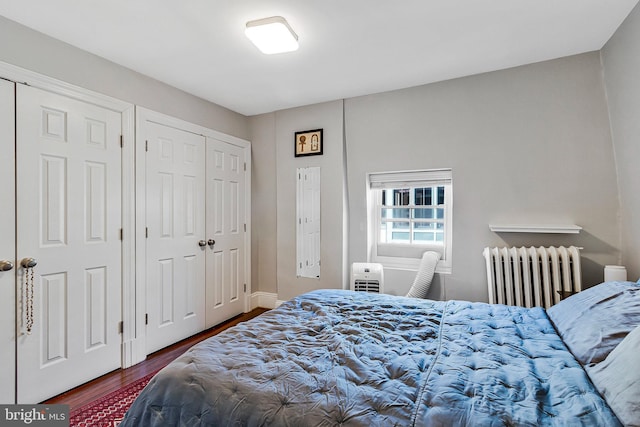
424 276
592 322
617 379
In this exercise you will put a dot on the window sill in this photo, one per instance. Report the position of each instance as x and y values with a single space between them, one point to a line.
410 264
535 228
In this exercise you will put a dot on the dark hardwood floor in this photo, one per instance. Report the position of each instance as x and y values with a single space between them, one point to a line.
115 380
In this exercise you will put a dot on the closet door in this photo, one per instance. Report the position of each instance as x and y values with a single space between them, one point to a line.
175 242
7 244
226 226
68 219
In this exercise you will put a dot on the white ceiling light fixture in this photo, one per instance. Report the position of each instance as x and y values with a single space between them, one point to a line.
272 35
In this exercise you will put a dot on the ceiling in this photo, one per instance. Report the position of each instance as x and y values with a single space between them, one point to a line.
347 47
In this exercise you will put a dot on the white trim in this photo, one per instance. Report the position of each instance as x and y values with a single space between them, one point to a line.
264 300
140 305
128 238
247 234
176 123
34 79
411 264
379 180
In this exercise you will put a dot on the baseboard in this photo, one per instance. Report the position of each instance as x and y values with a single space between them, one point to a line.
264 300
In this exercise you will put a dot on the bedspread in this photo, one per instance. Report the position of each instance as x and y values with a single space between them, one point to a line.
336 357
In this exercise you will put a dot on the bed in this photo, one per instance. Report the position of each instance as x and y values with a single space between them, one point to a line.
335 357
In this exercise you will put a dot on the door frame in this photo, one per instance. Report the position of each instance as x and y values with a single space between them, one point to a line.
143 115
8 279
21 75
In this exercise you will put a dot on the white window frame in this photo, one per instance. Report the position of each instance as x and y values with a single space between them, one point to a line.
407 256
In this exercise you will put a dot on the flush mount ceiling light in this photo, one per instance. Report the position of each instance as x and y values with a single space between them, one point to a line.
272 35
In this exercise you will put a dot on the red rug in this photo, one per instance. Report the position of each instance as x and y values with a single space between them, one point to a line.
109 410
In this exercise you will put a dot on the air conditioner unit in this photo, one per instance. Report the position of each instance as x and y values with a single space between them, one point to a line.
367 277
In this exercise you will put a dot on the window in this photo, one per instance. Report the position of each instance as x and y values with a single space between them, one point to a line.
410 213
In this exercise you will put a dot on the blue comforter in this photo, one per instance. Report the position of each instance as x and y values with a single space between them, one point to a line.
335 357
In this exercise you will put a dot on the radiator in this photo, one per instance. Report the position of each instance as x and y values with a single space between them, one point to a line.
532 277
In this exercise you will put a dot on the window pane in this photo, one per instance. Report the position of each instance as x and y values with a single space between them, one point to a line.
400 237
395 213
423 237
394 232
401 197
440 213
426 225
423 213
441 195
422 196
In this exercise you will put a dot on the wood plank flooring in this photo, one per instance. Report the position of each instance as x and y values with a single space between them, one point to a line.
115 380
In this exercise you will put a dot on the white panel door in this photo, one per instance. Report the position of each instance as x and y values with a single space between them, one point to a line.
226 219
308 222
68 218
7 244
175 261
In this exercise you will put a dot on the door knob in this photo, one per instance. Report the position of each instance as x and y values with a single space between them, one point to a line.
28 262
202 243
211 242
5 265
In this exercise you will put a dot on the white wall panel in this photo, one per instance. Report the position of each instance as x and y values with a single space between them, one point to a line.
54 124
166 291
54 200
190 286
54 318
166 204
218 205
96 307
190 209
234 206
234 274
95 201
96 133
217 279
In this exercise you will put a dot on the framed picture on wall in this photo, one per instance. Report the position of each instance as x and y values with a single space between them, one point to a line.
308 143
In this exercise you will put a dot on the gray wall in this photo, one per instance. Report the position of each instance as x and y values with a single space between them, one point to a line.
527 145
621 63
263 204
326 116
37 52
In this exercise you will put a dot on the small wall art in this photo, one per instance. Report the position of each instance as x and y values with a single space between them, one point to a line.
308 143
